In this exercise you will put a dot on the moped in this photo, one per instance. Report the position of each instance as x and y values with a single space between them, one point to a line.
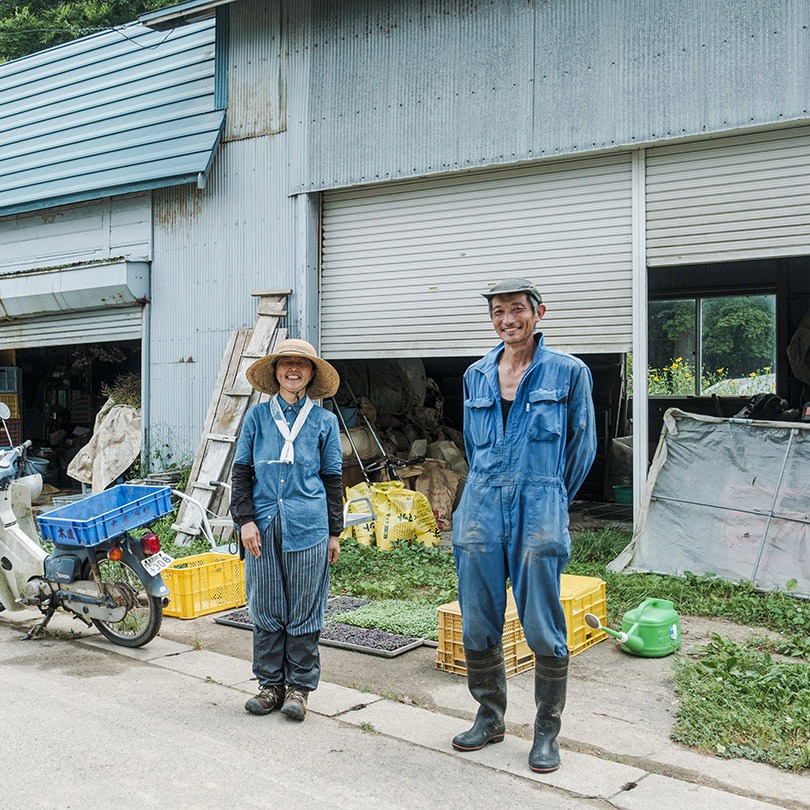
97 570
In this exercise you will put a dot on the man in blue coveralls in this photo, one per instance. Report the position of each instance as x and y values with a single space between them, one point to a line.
530 438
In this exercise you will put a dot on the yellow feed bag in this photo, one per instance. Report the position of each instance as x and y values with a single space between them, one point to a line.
402 514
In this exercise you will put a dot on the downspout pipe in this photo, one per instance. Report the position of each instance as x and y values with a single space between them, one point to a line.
146 388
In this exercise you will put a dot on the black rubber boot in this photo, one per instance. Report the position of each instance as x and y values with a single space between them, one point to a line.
486 679
550 680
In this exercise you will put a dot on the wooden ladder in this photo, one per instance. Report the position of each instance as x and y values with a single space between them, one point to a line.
232 397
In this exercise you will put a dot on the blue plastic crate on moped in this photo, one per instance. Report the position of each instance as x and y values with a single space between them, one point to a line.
105 515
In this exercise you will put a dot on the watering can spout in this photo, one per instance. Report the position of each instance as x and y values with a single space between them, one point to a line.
633 641
629 640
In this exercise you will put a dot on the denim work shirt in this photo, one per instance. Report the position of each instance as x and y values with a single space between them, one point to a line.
524 474
293 491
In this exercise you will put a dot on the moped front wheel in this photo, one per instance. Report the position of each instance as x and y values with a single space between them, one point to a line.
142 622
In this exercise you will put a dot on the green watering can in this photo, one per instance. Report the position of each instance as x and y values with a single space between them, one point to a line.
651 630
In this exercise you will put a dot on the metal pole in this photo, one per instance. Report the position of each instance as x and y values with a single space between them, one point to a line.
351 440
146 388
793 432
640 352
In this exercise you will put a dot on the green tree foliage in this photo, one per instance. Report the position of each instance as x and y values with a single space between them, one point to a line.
738 333
671 331
27 26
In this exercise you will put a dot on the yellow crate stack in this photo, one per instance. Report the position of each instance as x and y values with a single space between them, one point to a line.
579 595
204 583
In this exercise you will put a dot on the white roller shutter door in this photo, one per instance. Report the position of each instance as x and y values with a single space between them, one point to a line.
726 199
403 264
72 328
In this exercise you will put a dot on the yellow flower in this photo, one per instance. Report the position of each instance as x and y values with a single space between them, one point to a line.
719 370
656 379
679 359
767 368
753 374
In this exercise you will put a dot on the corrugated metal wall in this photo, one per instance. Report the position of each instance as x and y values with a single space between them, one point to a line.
380 90
257 71
406 89
212 248
742 197
403 264
106 229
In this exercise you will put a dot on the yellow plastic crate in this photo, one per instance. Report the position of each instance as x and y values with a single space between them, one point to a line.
450 654
204 583
13 402
579 595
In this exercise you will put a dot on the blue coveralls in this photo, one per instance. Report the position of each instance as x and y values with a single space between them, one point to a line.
512 520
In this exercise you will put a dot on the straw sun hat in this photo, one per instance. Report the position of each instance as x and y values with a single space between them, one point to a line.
262 374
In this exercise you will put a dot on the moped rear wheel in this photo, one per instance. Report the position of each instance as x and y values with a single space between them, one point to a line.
142 622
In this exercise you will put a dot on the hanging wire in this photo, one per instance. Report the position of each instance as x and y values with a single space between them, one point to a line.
117 29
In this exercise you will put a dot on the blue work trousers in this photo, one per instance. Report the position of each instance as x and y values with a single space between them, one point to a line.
535 573
287 593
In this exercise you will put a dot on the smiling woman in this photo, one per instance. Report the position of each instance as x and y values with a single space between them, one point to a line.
286 499
294 374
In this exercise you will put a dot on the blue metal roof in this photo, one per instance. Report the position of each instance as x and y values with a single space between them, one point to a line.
119 111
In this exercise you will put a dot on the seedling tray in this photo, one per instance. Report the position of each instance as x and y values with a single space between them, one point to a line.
351 638
104 515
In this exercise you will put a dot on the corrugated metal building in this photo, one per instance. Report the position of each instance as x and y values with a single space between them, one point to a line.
386 161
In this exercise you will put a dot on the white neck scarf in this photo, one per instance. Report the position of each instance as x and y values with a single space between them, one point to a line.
287 451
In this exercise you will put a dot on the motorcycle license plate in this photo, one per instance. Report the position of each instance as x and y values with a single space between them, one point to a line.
156 563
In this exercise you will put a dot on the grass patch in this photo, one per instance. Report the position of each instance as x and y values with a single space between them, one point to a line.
427 575
406 572
396 616
739 702
691 595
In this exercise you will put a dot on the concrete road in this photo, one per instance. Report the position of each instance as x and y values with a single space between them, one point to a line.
85 727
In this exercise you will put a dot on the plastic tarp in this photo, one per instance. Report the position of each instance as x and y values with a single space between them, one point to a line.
726 497
116 443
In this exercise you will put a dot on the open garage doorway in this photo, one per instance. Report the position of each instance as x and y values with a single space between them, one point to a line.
60 390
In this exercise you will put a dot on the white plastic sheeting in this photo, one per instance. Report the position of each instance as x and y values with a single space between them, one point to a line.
727 497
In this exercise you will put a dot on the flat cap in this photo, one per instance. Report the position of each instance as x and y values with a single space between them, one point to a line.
513 285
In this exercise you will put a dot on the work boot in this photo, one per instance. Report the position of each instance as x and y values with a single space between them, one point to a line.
486 680
550 679
268 700
295 703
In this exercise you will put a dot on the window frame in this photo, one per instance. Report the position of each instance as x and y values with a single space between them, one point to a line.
698 296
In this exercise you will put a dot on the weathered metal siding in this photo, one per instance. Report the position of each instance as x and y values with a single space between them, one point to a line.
212 248
404 263
68 329
405 89
729 199
118 227
257 70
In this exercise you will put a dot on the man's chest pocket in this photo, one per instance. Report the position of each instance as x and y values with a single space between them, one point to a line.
547 408
480 420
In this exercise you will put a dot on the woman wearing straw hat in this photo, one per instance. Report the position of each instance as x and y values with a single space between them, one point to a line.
288 502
